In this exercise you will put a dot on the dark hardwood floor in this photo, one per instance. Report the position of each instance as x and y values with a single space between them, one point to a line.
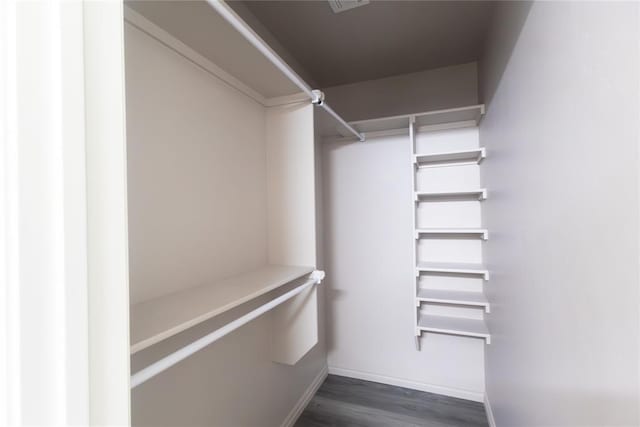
342 402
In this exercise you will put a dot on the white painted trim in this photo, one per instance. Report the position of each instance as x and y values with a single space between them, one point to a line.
287 99
401 382
638 125
141 23
44 340
305 398
489 411
107 239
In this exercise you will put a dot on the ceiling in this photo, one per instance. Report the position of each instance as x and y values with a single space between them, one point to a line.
381 39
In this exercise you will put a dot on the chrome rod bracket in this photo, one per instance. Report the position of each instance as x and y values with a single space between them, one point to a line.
317 275
317 97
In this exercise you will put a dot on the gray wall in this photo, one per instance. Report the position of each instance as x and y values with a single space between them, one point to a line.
561 133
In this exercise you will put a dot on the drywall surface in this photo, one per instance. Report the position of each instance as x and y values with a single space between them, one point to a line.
197 212
196 156
561 133
291 184
447 87
368 238
291 217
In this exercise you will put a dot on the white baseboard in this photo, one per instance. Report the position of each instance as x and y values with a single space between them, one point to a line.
489 411
305 398
400 382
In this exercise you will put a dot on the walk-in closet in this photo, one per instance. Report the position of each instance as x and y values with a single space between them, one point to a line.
323 213
277 237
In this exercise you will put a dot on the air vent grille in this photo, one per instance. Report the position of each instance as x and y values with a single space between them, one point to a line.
342 5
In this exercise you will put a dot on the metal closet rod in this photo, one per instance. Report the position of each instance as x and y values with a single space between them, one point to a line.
317 97
168 361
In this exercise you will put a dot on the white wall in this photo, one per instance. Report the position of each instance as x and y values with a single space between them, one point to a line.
197 211
370 273
447 87
561 133
188 133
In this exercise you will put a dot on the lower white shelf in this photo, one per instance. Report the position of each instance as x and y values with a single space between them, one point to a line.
480 194
483 233
474 156
475 299
160 318
456 268
454 326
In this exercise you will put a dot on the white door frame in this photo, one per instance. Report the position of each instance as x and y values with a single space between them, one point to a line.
64 345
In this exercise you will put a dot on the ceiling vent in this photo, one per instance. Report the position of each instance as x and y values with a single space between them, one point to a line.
342 5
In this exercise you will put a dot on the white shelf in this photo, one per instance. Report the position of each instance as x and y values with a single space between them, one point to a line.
385 124
399 125
475 156
480 193
456 268
440 296
483 233
454 326
453 117
160 318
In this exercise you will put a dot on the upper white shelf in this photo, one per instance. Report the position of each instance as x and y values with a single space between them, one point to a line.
459 116
454 325
480 193
236 61
399 125
480 232
160 318
476 299
449 158
456 268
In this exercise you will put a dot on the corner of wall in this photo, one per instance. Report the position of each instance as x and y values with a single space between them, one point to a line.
305 398
489 411
499 44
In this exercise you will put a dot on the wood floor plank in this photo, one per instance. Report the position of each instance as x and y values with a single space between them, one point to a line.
342 402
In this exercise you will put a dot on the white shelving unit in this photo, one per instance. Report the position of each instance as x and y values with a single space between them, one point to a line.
429 295
454 326
480 194
451 158
160 318
444 296
482 233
